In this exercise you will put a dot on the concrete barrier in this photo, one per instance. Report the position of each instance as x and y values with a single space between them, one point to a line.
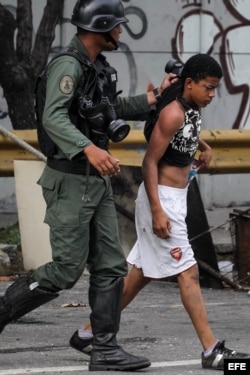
31 210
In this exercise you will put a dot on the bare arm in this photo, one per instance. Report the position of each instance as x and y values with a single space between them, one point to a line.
170 120
205 155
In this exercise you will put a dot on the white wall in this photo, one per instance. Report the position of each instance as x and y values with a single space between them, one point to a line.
159 30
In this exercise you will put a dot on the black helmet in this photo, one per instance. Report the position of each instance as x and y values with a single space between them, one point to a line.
98 15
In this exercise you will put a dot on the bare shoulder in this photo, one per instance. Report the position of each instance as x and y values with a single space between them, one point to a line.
173 113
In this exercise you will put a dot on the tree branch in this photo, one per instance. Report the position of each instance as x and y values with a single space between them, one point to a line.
46 34
25 29
19 63
7 55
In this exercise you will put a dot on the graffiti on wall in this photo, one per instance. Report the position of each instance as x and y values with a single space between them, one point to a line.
199 27
234 48
198 30
234 57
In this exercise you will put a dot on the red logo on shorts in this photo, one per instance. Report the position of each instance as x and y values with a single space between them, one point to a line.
176 253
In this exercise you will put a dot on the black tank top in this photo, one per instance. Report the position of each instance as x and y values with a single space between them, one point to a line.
184 144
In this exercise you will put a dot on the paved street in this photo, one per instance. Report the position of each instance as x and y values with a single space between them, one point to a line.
154 325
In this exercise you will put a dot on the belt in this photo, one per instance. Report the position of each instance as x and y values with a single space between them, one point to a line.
75 167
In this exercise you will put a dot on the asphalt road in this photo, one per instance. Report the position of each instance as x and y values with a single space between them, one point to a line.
155 325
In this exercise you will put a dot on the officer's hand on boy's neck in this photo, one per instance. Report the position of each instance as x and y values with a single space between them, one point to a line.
168 80
155 95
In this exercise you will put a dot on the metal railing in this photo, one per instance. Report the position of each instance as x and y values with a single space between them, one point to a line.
231 150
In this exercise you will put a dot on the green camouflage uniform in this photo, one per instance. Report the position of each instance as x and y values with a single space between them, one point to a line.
83 224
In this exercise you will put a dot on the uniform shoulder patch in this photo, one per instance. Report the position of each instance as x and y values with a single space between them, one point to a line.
66 85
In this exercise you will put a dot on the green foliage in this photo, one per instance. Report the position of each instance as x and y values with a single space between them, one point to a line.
10 235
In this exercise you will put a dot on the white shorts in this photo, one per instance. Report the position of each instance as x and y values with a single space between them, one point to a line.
157 257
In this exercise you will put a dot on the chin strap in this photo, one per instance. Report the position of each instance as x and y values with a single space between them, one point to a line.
109 38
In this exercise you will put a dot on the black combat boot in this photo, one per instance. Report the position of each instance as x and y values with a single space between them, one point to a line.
23 296
105 304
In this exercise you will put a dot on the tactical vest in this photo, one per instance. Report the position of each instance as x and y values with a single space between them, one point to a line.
95 78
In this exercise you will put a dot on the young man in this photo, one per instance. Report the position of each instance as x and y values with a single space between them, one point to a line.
162 248
80 110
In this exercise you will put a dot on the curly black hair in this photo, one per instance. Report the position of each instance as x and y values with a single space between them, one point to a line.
201 66
197 67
